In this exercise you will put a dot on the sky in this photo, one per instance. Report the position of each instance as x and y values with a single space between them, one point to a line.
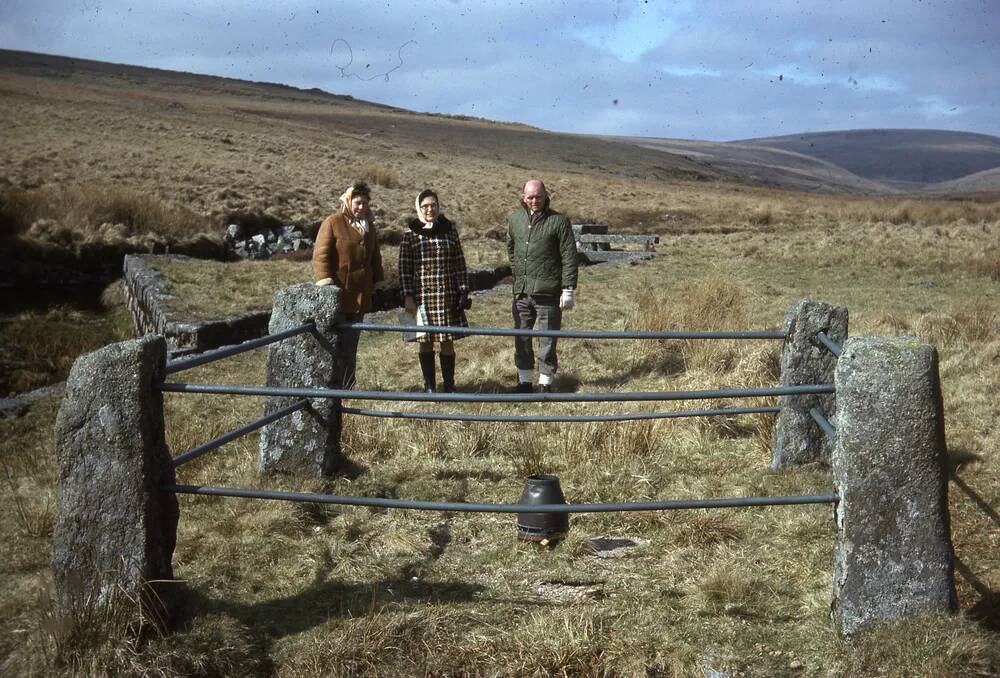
689 69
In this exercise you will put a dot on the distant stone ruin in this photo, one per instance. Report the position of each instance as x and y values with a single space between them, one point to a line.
593 243
264 242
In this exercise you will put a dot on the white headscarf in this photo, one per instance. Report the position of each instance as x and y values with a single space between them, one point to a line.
420 212
359 223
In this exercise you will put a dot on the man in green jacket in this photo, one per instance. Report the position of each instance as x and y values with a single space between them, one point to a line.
543 259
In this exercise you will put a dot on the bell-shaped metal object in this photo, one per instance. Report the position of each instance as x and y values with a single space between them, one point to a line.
542 527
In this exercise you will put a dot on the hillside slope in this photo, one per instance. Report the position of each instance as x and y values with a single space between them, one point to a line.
903 158
768 166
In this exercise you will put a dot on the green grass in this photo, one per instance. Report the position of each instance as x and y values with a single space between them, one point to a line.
285 589
39 347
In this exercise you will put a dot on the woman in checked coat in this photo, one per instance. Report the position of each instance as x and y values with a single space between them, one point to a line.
432 274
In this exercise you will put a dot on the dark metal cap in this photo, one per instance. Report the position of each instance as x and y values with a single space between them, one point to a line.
542 527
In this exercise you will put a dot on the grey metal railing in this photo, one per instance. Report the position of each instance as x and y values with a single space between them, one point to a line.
560 418
563 334
468 507
605 396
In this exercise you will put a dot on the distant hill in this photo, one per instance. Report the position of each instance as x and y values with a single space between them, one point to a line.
987 181
853 162
906 159
768 166
277 104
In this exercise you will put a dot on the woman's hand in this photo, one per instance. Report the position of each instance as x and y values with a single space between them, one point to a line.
409 304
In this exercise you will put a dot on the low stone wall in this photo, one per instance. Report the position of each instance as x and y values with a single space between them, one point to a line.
148 298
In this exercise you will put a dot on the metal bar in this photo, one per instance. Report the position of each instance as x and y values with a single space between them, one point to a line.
217 354
833 346
467 507
322 341
196 452
435 416
589 397
824 423
567 334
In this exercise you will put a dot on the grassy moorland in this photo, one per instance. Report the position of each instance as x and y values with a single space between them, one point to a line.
283 589
298 590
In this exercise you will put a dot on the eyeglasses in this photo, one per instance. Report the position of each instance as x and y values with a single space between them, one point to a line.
430 205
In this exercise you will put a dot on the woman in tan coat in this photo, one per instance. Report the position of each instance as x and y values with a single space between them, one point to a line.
346 254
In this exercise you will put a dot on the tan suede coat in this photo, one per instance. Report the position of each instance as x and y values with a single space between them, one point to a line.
352 260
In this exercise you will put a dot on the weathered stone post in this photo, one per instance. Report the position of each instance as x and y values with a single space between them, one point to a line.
798 439
894 554
307 441
116 530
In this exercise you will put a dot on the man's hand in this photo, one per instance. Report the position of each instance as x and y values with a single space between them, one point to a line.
568 299
409 304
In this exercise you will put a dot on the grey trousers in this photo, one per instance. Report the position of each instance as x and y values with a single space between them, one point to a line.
541 311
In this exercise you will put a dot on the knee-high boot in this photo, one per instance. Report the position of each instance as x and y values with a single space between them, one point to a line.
428 370
448 372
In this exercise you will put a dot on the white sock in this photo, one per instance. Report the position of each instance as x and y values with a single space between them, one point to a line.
525 376
545 379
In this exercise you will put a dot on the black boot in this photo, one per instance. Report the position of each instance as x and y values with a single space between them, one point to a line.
428 370
448 372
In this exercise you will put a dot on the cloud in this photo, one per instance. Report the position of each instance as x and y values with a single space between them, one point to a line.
709 69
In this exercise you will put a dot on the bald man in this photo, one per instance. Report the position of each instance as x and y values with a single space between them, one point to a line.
543 259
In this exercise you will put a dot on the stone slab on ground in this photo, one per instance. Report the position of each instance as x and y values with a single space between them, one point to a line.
617 256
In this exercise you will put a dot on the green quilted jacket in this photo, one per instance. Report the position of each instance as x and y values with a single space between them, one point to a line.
543 257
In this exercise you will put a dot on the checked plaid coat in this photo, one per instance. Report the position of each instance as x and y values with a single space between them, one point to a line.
432 269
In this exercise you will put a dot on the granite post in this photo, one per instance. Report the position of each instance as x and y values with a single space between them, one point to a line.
894 555
115 530
306 442
798 439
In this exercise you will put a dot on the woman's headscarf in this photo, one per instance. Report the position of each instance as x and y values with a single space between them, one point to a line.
420 198
360 223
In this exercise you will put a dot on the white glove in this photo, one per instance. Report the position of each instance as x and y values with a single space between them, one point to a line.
567 299
324 282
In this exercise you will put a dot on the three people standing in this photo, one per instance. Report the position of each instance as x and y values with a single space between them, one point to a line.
544 263
432 274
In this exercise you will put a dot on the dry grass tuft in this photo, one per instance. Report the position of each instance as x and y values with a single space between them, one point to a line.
733 590
379 175
709 304
986 265
971 322
762 215
73 215
929 646
706 529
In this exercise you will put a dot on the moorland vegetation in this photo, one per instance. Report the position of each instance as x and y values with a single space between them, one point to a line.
140 160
